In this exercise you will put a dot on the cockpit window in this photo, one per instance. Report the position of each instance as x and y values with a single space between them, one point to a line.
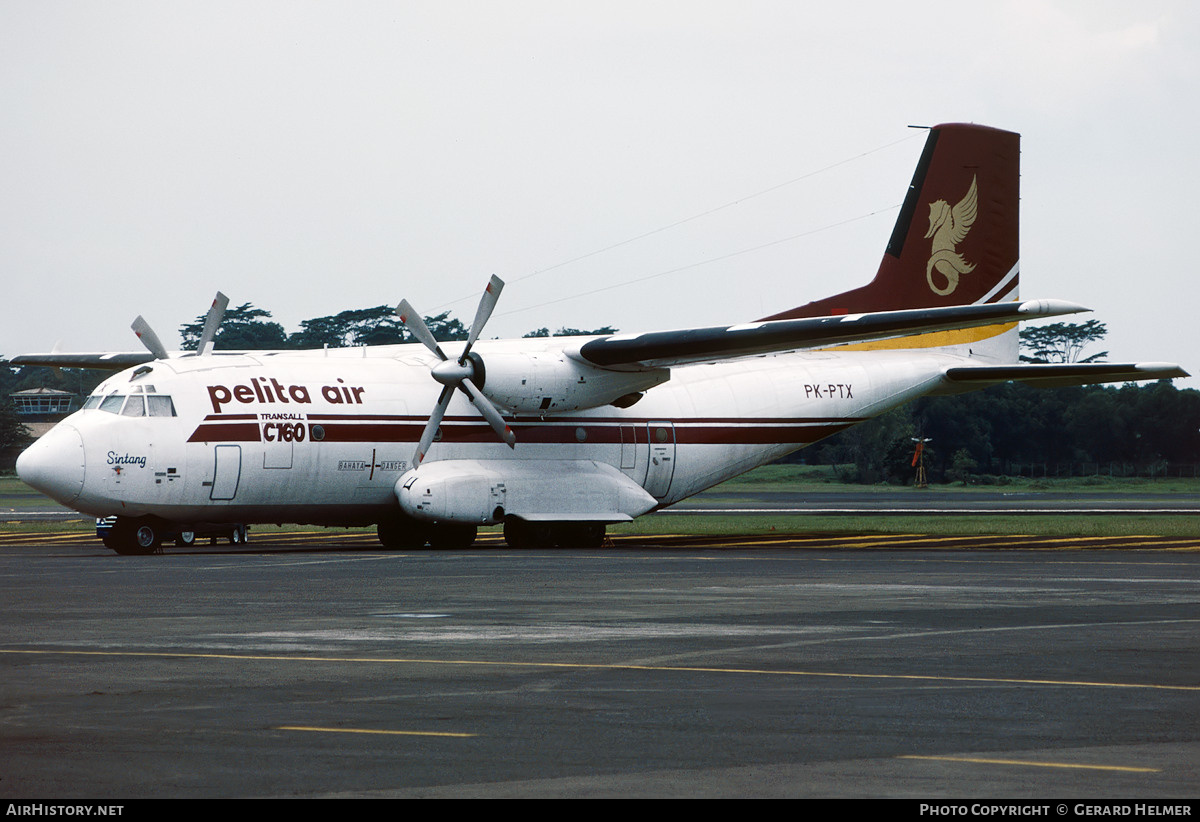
135 406
161 405
112 403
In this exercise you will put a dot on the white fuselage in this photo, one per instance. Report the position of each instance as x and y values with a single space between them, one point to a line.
323 437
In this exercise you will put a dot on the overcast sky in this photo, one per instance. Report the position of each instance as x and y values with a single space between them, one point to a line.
311 157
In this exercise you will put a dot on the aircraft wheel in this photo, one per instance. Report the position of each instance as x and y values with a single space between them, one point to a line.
517 534
407 534
450 536
583 535
521 534
186 538
148 538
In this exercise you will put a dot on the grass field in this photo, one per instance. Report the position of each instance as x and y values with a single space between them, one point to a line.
810 481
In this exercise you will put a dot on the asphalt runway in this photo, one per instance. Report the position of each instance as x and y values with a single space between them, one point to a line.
319 666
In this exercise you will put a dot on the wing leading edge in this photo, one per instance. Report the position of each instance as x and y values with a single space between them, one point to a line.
118 361
659 349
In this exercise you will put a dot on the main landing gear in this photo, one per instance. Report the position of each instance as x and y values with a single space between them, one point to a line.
519 533
411 534
405 533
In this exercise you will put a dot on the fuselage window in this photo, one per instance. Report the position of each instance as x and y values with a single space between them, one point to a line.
161 406
135 406
112 403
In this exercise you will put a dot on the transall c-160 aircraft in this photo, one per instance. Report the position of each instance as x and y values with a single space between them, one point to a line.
556 437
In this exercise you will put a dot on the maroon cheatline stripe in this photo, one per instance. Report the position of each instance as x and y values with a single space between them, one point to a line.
686 433
518 420
226 432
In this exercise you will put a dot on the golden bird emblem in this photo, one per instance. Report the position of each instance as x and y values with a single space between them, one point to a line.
948 227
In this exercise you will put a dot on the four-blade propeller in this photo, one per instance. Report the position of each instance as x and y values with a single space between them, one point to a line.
458 373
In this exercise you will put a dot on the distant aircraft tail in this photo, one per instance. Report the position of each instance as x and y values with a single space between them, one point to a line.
955 242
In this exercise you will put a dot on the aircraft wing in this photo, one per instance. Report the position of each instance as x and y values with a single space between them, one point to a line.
1053 375
659 349
112 361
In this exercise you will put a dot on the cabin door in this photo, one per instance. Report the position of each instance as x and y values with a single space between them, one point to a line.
227 472
661 468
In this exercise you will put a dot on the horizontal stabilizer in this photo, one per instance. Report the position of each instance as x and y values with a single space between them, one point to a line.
666 348
1053 375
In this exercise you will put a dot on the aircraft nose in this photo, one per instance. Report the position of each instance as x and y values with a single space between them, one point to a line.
54 464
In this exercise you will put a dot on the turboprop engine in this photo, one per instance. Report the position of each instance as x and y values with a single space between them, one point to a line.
539 383
529 382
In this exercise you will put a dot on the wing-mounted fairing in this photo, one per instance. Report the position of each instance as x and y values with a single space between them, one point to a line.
484 492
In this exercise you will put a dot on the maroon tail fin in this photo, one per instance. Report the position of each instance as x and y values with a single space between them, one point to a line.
955 240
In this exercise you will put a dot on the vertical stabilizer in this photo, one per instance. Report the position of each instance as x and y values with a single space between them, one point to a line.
955 241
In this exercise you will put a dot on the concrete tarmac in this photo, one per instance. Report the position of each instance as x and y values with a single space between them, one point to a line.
306 667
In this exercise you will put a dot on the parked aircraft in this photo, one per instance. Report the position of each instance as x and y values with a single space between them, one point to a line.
557 437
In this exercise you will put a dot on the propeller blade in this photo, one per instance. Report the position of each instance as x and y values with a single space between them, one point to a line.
211 323
485 407
431 427
416 326
149 338
487 304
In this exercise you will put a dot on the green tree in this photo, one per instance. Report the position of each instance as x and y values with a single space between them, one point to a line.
12 431
444 327
360 326
242 328
963 466
1062 342
571 332
878 450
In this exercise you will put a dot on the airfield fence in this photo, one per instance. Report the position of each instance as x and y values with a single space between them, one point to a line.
1153 470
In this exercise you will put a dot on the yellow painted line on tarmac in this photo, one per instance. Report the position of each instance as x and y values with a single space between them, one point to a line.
1033 763
38 539
600 666
863 541
370 731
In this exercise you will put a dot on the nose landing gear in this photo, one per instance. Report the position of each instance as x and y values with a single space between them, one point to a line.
135 537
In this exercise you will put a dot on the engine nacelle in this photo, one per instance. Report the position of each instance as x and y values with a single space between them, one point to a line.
488 491
550 382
